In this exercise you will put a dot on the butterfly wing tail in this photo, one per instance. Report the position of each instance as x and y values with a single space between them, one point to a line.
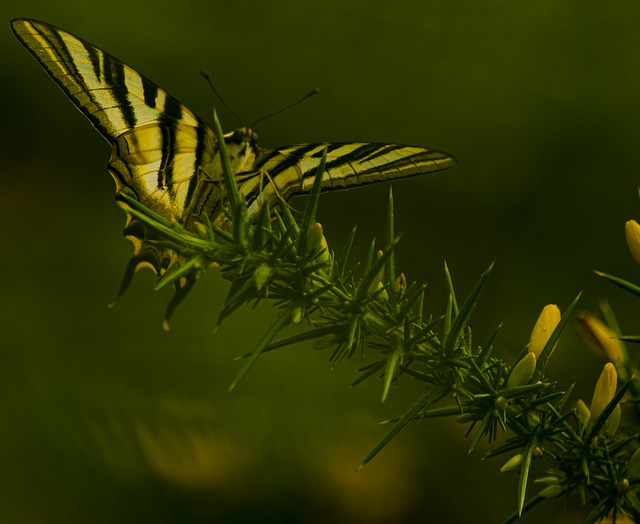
148 253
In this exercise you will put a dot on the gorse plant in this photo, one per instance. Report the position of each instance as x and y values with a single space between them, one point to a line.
201 214
367 308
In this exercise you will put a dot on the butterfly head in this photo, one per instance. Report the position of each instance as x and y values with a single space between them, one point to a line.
242 148
242 136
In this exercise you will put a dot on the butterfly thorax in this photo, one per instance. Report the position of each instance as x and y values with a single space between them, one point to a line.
242 148
158 161
207 190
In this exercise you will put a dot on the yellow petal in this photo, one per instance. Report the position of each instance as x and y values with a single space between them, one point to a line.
546 323
599 338
317 243
523 371
632 232
604 391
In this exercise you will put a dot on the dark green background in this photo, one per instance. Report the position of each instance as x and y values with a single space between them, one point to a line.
105 418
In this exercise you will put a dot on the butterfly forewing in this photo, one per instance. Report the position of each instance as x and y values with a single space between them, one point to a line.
114 97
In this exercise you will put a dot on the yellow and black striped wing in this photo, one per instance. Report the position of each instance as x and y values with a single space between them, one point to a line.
292 169
159 145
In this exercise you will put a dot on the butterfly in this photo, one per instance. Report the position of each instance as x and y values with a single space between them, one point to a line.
167 158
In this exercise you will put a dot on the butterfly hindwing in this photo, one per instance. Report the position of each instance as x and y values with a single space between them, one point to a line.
291 170
159 163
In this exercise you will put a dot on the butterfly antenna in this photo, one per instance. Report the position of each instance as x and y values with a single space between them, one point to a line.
315 91
215 92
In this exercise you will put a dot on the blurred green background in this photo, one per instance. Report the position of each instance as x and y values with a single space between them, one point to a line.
106 418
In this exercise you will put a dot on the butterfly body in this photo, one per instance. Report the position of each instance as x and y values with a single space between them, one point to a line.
168 159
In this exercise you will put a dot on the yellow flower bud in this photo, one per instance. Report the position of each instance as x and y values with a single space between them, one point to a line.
632 232
317 243
546 323
511 464
599 338
400 284
523 371
604 391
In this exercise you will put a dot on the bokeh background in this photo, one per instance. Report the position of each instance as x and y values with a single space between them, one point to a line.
106 418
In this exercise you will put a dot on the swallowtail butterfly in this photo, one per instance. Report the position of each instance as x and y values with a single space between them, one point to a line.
168 158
